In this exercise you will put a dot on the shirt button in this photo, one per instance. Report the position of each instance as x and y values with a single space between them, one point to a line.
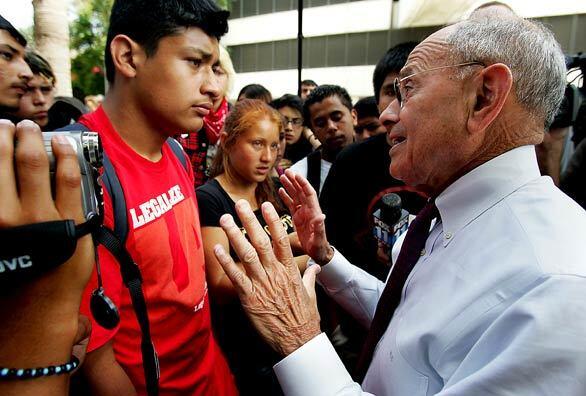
448 235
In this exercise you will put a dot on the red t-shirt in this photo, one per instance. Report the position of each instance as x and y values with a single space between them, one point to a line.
164 239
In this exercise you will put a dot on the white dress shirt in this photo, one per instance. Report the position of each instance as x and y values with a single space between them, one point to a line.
300 167
496 305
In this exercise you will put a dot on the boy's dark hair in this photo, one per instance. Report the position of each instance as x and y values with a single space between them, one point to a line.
309 82
39 65
5 25
288 100
392 62
366 107
148 21
256 91
322 92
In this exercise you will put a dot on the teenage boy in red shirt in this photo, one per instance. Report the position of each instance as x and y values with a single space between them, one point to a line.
160 62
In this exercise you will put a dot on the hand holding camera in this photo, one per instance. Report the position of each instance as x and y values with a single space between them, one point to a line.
45 308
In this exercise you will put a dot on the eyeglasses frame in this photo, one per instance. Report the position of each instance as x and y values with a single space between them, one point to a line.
397 82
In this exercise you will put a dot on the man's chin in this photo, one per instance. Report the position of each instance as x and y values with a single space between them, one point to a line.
395 173
193 126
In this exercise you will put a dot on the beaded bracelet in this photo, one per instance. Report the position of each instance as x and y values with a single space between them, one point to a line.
30 373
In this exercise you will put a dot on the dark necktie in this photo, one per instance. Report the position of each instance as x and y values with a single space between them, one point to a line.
391 296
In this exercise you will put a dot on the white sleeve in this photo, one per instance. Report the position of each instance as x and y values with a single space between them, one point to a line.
537 346
354 289
315 369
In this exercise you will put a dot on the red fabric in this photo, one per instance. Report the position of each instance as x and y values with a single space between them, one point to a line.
196 147
165 241
214 122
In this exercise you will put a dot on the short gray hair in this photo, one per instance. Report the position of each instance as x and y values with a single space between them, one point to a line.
528 48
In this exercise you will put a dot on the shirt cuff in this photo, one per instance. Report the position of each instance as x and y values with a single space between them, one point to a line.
335 274
313 369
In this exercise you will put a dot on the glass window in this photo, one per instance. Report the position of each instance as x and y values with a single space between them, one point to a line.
249 8
284 5
236 56
235 7
357 47
336 48
249 58
317 51
264 56
265 6
377 46
282 55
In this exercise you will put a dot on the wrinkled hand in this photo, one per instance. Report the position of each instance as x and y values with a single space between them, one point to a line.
281 305
303 204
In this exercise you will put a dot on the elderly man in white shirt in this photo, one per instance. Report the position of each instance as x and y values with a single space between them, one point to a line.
496 301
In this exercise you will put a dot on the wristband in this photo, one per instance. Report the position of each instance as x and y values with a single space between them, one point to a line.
29 250
30 373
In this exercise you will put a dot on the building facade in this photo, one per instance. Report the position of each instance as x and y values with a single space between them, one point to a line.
343 39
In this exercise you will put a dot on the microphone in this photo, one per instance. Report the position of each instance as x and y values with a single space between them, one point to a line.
390 221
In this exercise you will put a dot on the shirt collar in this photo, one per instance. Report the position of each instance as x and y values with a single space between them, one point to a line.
483 187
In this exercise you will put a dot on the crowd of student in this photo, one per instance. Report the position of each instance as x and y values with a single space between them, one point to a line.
169 79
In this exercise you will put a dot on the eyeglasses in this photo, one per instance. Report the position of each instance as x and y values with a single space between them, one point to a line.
399 87
293 121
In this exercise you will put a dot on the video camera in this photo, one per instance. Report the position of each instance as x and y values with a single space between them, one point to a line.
88 147
32 249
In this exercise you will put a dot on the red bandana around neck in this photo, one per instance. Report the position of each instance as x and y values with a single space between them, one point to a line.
214 122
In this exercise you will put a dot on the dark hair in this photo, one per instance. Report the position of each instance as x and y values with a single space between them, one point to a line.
5 25
256 91
322 92
39 65
309 82
148 21
392 62
288 100
245 115
366 107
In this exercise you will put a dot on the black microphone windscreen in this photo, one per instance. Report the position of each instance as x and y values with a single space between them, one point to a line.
391 208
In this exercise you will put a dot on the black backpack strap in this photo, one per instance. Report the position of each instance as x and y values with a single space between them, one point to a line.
314 169
114 242
111 183
133 281
178 151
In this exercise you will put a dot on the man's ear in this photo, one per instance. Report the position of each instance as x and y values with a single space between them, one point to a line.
354 117
492 88
127 55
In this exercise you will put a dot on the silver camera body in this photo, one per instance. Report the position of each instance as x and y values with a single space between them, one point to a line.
88 147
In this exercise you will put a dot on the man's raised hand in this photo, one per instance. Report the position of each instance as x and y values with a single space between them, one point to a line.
280 304
303 204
